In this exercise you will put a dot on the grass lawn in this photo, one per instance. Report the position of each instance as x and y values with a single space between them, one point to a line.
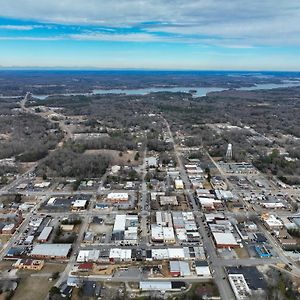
33 288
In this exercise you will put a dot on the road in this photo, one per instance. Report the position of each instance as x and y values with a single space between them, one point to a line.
217 270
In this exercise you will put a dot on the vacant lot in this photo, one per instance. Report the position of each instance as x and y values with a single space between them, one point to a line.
33 288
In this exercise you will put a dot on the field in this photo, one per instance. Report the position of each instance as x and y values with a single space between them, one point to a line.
33 288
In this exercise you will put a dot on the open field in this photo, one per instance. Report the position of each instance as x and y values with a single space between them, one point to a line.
33 288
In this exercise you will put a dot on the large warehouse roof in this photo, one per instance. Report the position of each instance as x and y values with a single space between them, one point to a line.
51 250
224 238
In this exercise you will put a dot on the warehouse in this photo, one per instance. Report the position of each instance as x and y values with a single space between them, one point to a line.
51 250
155 285
225 240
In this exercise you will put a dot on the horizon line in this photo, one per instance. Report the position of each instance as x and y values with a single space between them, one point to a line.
44 68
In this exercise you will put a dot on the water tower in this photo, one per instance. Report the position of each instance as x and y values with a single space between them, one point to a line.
229 152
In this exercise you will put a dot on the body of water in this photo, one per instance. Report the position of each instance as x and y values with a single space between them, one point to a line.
198 91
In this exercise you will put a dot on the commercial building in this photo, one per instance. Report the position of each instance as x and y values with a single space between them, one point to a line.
202 268
179 268
155 285
8 229
88 255
225 240
210 204
239 286
118 197
29 264
61 251
125 229
79 205
119 255
179 185
168 200
45 234
272 222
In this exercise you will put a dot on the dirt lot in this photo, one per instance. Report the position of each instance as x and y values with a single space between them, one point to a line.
241 253
97 228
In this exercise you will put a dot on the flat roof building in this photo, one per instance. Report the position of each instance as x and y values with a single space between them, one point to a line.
117 197
225 240
51 250
45 234
179 184
202 268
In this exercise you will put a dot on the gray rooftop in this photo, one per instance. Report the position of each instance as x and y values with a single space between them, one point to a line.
59 250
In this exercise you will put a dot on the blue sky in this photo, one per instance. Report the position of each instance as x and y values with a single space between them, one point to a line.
151 34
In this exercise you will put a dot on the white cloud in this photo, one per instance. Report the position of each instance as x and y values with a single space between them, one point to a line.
240 23
17 27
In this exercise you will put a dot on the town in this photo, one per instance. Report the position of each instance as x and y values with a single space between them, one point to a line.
128 204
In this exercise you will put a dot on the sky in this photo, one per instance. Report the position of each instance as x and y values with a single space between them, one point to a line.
151 34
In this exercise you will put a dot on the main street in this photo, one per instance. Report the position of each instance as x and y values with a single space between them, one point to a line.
217 270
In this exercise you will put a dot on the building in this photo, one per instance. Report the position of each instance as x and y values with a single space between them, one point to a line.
118 197
29 264
79 205
59 251
45 234
125 229
67 227
151 162
179 184
119 255
168 200
202 268
210 204
29 239
88 256
272 222
179 268
239 286
225 240
155 285
9 229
